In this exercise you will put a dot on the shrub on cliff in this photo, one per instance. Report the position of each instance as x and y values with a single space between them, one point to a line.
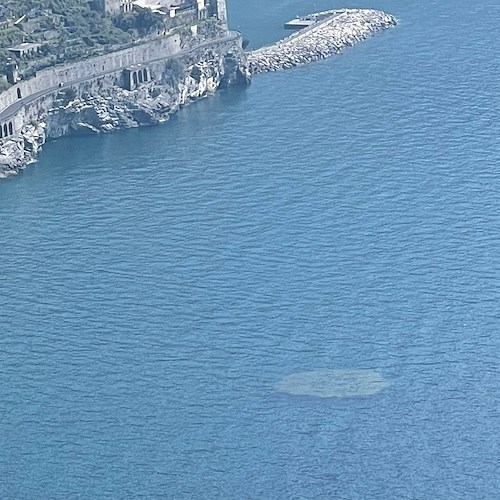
62 18
142 21
174 70
73 29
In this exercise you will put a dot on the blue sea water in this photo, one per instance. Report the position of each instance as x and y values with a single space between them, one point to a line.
157 284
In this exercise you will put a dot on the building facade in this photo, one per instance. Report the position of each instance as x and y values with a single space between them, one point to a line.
115 6
204 8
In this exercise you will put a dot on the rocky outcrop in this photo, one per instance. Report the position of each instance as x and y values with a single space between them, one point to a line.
100 104
16 154
94 109
334 31
181 82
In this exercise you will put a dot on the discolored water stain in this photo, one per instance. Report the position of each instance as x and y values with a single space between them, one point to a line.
344 383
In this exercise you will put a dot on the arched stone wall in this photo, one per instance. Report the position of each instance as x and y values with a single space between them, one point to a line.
6 130
69 73
135 76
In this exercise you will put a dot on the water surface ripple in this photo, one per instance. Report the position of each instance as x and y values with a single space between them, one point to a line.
157 284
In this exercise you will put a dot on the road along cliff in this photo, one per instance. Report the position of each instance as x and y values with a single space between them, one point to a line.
332 32
146 93
145 85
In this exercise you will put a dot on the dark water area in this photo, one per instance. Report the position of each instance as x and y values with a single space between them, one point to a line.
157 284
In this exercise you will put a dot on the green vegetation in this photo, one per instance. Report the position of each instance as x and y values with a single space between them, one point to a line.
67 30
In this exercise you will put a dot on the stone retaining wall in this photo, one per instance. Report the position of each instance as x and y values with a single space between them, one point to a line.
45 79
93 96
102 104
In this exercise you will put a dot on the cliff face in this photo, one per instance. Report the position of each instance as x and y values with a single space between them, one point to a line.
181 81
164 75
100 105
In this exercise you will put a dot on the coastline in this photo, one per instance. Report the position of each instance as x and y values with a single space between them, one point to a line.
103 103
176 72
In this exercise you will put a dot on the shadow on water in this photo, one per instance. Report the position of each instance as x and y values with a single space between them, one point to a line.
85 154
211 107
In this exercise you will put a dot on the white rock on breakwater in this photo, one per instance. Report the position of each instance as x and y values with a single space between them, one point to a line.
329 36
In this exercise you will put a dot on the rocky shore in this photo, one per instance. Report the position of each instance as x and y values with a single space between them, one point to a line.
98 106
92 109
334 31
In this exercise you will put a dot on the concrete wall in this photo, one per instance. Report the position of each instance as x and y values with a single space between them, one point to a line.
157 71
110 6
221 11
53 77
111 64
88 76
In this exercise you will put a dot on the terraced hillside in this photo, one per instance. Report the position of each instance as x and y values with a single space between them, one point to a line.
65 30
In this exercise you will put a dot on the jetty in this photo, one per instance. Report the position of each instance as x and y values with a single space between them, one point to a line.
328 34
299 23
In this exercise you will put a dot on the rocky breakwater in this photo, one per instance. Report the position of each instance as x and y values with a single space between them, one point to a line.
334 31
